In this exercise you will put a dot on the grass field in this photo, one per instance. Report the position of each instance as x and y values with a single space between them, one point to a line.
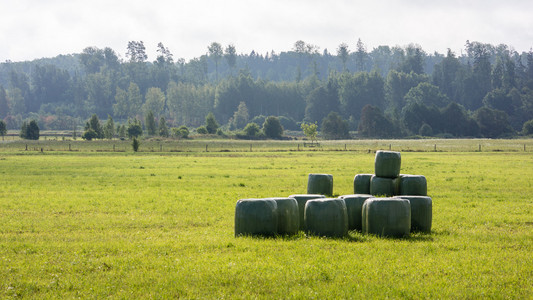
95 224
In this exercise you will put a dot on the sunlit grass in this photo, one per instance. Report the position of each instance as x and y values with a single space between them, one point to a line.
160 225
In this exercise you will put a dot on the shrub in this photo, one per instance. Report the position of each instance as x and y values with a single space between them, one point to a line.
202 130
527 128
211 124
135 144
272 128
135 128
89 135
334 127
251 129
425 130
182 132
30 131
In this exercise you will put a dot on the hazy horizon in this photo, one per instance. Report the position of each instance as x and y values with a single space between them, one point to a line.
32 29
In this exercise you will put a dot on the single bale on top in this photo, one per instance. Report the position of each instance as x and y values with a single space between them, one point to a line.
320 184
421 212
361 184
256 217
302 200
354 208
288 218
389 217
415 185
381 186
387 164
326 217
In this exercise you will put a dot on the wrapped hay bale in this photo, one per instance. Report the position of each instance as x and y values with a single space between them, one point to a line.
388 187
256 217
361 183
320 184
288 218
354 208
415 185
387 164
302 200
421 212
326 217
390 217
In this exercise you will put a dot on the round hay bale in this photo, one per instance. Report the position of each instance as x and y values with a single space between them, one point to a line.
415 185
320 184
387 164
288 218
354 208
381 186
302 200
421 212
326 217
256 217
390 217
361 183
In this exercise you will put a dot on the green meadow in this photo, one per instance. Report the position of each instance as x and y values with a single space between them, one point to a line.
93 223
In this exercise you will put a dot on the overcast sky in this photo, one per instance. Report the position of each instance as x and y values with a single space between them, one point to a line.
31 29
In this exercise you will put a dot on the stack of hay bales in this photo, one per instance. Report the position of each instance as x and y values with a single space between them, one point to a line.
388 182
386 203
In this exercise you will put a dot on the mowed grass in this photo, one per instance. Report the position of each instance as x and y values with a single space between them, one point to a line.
161 225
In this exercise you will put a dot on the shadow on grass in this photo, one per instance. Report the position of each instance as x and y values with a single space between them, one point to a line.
353 236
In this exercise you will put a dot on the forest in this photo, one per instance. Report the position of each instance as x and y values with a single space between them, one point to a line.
401 91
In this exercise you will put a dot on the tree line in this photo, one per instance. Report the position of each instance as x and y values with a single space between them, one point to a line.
486 91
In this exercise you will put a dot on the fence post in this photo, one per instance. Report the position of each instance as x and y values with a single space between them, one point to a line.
435 148
206 148
479 147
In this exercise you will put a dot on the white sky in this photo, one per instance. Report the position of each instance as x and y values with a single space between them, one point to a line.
32 29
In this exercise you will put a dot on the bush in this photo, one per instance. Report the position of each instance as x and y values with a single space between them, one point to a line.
89 135
425 130
135 144
134 128
211 124
202 130
30 131
527 129
182 132
288 123
251 129
272 128
334 127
